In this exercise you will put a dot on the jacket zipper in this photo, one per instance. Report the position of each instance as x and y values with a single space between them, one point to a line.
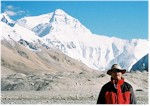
116 99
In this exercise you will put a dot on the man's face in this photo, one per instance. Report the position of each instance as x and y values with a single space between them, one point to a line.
116 74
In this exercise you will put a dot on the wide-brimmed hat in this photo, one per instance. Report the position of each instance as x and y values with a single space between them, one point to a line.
116 67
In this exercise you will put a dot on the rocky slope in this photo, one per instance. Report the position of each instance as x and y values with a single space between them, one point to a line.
16 58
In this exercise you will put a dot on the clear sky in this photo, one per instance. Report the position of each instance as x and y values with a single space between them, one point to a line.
123 19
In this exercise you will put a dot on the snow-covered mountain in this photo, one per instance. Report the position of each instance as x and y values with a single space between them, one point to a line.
53 23
62 31
17 33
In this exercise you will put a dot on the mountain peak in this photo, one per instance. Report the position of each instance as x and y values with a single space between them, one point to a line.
4 15
59 16
5 18
59 12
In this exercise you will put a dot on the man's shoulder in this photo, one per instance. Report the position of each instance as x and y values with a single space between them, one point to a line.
107 84
127 85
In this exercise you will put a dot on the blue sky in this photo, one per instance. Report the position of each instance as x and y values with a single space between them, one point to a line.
126 20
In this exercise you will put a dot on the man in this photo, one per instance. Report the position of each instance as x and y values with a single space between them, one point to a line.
117 91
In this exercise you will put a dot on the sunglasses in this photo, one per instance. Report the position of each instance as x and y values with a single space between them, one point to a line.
116 70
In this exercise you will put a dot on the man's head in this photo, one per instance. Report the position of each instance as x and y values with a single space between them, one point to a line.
116 71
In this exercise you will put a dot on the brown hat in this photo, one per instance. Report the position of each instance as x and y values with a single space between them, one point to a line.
117 67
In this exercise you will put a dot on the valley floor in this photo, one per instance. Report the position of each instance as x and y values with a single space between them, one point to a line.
65 87
59 97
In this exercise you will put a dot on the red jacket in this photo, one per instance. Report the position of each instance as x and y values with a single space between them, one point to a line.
122 94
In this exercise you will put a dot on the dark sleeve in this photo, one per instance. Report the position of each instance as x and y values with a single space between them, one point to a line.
101 97
133 98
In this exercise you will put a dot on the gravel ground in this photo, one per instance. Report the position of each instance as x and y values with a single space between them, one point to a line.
56 97
64 88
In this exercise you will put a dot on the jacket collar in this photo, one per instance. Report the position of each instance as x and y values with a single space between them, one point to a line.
119 82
